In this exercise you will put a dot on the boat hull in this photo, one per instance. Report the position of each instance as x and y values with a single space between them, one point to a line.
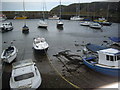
41 50
42 27
104 70
20 18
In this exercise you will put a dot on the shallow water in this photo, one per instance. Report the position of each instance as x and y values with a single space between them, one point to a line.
57 39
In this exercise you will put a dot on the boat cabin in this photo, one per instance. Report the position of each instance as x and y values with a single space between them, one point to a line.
109 57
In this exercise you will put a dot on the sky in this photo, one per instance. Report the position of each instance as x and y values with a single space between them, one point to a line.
37 5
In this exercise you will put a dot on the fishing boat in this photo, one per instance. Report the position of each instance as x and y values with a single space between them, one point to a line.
6 26
9 54
95 25
106 61
40 44
25 75
55 17
84 23
60 23
25 29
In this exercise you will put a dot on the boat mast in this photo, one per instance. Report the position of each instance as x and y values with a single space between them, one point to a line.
60 9
108 11
43 11
79 7
24 11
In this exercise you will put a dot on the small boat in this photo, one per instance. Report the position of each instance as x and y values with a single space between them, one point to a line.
103 21
76 18
3 17
106 62
42 24
55 17
95 25
6 26
85 23
9 54
25 75
20 17
40 44
59 24
25 29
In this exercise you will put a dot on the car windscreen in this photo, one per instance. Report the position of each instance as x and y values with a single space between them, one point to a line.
24 76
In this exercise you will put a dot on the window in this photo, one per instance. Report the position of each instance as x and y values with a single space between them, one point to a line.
107 57
24 76
111 58
118 57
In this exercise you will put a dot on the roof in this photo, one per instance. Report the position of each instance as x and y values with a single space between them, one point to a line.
110 51
22 63
23 70
115 39
94 47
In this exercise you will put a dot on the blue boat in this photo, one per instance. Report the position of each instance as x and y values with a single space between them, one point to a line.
94 48
106 62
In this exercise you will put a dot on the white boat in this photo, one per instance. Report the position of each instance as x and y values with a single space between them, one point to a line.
40 44
59 24
9 54
25 75
42 24
55 17
85 23
95 25
3 17
6 26
76 18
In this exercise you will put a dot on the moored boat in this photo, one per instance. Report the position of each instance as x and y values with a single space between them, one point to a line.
59 24
20 17
6 26
55 17
25 29
84 23
106 61
25 75
3 17
42 24
40 44
95 25
9 54
76 18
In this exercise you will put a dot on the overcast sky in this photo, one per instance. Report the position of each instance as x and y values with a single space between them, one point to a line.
36 5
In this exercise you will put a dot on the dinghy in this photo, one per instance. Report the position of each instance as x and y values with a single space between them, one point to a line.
25 75
40 44
9 54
